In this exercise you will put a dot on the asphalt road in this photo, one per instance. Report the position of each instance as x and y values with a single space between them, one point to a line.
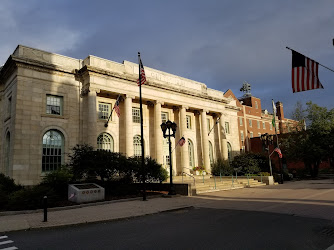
198 228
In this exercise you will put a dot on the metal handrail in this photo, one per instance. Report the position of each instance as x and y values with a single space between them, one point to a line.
189 176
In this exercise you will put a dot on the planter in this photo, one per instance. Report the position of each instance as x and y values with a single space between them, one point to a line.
81 193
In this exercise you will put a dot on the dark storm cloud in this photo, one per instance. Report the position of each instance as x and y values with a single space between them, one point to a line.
220 43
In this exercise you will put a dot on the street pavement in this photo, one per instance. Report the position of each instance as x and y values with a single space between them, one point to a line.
312 198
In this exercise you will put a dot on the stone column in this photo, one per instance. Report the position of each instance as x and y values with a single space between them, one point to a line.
158 132
128 125
205 141
92 117
184 148
223 137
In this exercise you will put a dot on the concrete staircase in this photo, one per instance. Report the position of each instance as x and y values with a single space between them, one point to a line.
207 184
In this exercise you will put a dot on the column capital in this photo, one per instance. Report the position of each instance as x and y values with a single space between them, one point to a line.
129 96
158 102
92 89
184 107
204 111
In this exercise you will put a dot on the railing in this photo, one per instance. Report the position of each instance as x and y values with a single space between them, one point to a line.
189 176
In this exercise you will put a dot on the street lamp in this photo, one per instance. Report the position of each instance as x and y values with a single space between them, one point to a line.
170 126
266 141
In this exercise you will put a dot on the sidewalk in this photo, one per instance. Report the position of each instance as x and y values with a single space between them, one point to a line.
314 198
94 213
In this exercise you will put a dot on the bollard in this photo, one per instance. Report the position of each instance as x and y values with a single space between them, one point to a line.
45 207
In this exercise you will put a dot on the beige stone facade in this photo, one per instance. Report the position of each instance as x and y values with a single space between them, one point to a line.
49 103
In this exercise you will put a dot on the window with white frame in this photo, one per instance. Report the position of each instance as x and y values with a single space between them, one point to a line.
258 134
250 123
263 125
105 142
241 121
165 152
54 105
191 154
104 110
258 124
251 135
53 150
164 116
137 145
242 136
136 115
256 106
227 127
229 150
188 120
270 126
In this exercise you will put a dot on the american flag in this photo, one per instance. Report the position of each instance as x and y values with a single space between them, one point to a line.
279 152
304 73
116 108
142 73
182 141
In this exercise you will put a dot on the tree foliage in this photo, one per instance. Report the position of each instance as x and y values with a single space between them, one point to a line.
221 167
250 163
314 144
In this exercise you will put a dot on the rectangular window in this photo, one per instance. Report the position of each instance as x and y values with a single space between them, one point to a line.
54 105
250 123
188 120
136 115
104 110
242 136
9 107
227 127
208 124
263 125
256 106
259 134
251 135
271 126
164 117
258 124
243 149
240 121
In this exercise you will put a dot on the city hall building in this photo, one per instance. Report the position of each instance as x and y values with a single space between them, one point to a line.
49 103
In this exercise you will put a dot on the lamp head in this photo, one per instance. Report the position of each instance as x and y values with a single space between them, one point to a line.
174 126
163 128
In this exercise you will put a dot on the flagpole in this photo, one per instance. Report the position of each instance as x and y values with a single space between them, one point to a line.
280 161
142 131
106 124
214 126
313 60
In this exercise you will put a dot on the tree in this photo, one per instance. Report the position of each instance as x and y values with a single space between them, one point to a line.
316 143
249 163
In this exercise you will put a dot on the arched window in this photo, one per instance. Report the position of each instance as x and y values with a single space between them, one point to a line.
191 154
137 145
229 150
105 142
210 152
7 152
53 150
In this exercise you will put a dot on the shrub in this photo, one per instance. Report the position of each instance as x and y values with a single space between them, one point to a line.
31 198
7 184
249 163
222 167
58 180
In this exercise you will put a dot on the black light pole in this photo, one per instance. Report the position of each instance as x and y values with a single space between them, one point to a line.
164 126
266 141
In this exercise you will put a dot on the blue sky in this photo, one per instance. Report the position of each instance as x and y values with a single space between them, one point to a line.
220 43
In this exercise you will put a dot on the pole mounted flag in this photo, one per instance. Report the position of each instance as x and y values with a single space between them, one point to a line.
142 76
278 152
305 73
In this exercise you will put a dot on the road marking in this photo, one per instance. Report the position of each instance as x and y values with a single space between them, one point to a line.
6 242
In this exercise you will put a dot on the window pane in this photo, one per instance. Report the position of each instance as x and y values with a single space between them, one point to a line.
136 115
164 116
105 142
52 150
104 110
54 105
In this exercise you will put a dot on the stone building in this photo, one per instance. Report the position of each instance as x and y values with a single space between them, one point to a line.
253 121
50 102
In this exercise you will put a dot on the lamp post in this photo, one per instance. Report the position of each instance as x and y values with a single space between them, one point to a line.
266 141
164 127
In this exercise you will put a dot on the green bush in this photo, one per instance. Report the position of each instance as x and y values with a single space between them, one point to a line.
31 198
58 180
7 184
221 167
249 163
